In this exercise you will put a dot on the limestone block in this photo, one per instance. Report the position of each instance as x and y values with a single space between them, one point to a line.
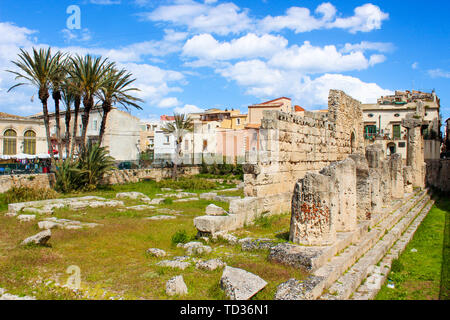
343 178
213 210
311 217
176 286
363 187
239 284
40 239
26 217
396 174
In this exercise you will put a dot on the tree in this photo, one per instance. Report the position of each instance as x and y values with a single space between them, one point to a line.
115 90
57 79
181 125
90 73
68 98
38 69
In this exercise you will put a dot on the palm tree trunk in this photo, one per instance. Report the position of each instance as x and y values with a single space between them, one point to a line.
57 97
87 103
43 96
106 110
76 106
67 118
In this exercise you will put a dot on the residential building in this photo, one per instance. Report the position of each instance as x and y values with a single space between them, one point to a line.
22 135
383 121
121 137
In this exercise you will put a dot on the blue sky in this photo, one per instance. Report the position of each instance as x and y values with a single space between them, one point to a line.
190 55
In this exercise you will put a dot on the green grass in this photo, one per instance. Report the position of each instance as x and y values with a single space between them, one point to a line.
113 259
423 275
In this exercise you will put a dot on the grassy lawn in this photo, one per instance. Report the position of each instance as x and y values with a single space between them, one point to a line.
112 257
424 275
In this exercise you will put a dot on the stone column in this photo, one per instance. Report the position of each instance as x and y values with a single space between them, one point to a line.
363 187
396 168
343 179
415 156
311 219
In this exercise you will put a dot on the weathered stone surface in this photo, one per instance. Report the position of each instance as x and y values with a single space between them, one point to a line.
239 284
212 224
396 174
213 210
40 239
250 244
155 201
363 187
132 195
296 256
176 286
343 178
155 252
289 290
208 196
141 207
48 225
210 265
177 262
195 248
311 219
160 217
26 217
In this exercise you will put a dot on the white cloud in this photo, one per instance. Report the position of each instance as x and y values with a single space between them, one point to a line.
206 47
415 65
265 82
105 2
368 46
188 108
222 19
367 17
81 35
439 73
311 59
168 102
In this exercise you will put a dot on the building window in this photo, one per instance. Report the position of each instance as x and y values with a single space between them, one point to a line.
10 142
186 145
370 115
238 121
397 115
94 125
396 131
205 145
29 142
167 139
370 131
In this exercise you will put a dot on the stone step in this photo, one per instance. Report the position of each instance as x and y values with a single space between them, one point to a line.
352 278
377 274
324 277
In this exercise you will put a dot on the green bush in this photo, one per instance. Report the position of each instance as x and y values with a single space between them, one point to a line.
23 194
397 266
86 172
167 201
180 236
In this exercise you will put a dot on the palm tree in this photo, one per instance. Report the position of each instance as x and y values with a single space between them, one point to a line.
90 73
38 70
68 98
116 90
181 125
77 91
56 81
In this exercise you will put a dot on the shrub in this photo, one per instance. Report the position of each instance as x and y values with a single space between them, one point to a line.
180 236
23 194
86 172
167 201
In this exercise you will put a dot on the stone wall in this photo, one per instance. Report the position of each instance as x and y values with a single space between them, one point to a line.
343 193
37 181
292 145
136 175
438 174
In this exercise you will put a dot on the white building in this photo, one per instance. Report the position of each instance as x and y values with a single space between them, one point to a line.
383 122
121 137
